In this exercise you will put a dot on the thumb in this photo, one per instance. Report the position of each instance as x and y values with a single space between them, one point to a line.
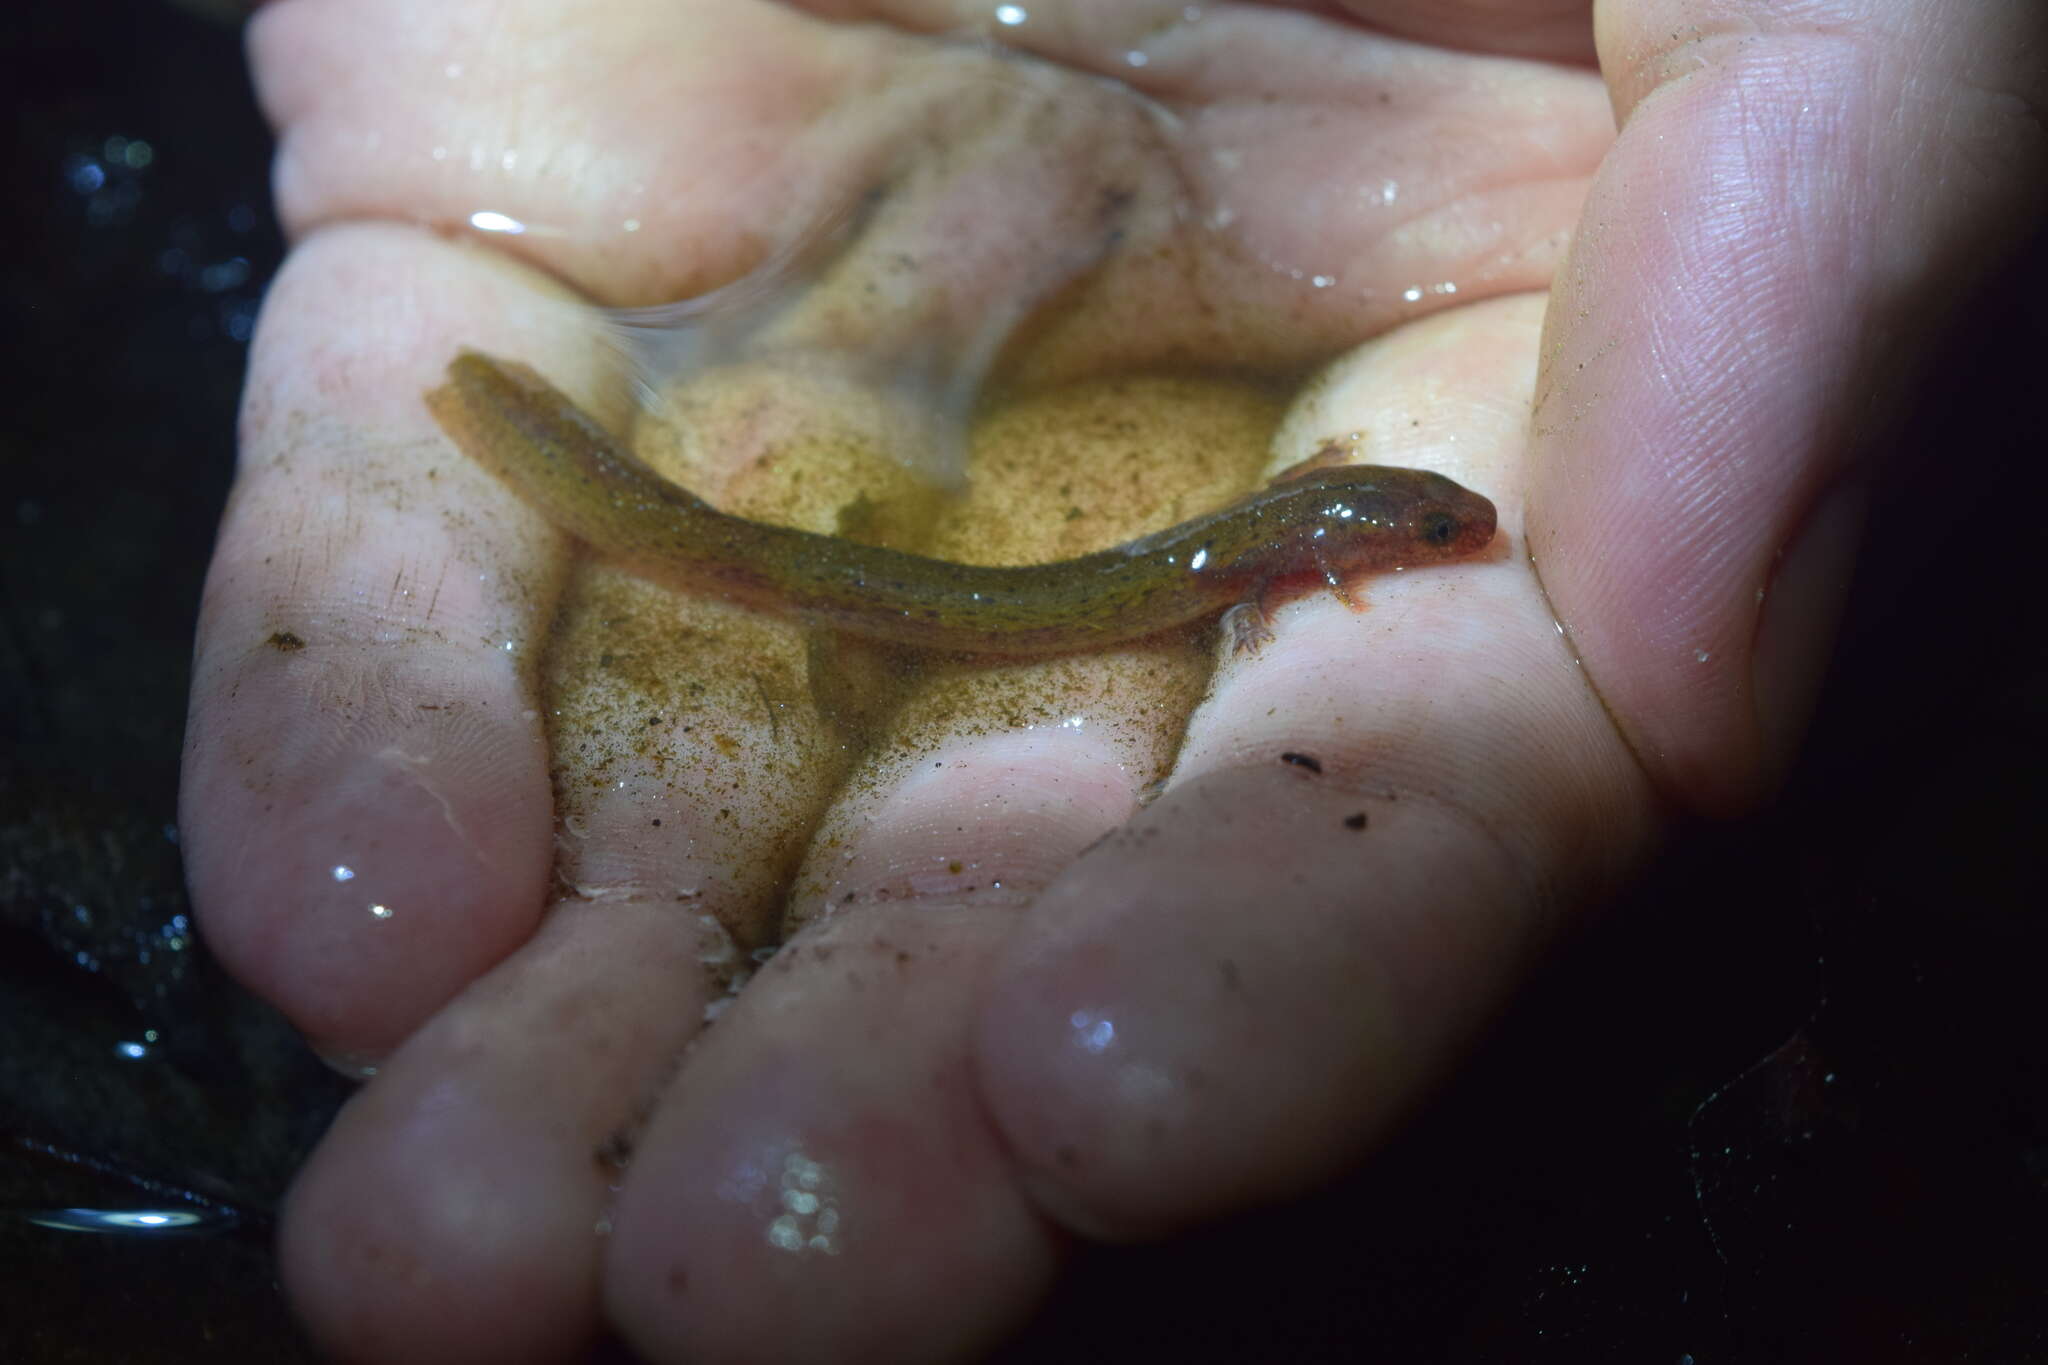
1765 255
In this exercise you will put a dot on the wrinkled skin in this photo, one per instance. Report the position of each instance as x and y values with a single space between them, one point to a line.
1166 1010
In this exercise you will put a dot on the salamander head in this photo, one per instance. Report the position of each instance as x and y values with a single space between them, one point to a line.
1368 517
1449 521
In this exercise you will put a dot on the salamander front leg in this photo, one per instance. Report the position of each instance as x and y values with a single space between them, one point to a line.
1339 589
1329 455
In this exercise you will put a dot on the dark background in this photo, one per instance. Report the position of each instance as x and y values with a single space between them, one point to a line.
1786 1104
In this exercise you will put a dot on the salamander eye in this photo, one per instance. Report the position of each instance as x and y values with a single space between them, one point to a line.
1438 528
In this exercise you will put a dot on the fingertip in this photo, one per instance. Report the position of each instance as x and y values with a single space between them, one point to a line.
457 1209
361 843
1203 1016
783 1210
411 1235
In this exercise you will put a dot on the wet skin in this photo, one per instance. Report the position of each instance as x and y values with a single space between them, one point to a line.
1115 1019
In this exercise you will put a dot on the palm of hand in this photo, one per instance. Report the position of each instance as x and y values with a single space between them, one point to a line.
1224 999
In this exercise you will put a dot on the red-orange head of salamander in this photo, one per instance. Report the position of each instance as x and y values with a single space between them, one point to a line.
1352 519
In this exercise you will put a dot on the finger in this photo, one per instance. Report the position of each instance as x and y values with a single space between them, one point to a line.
1720 346
365 796
852 1173
457 1208
1370 826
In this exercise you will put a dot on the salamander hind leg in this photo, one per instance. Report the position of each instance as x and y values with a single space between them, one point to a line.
1248 627
1330 455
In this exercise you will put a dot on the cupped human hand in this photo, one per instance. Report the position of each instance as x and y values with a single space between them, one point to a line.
1097 946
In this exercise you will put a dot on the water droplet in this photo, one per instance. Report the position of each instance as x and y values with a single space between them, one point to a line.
1092 1031
84 175
224 275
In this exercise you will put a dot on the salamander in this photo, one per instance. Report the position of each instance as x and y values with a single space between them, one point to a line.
1312 526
